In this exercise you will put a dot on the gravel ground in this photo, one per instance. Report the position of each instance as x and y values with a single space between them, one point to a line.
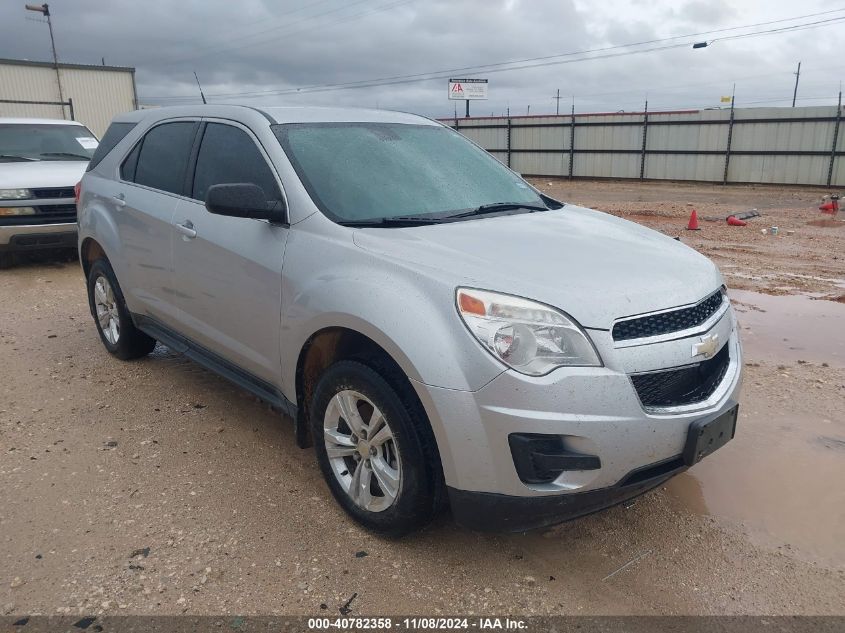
156 487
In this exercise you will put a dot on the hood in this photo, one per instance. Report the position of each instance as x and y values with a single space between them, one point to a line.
43 173
593 266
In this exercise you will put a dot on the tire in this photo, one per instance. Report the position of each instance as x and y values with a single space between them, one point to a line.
404 453
7 260
114 324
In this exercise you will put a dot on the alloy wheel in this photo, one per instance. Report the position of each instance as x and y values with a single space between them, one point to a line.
362 451
106 306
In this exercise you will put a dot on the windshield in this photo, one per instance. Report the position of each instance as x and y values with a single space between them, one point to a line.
372 171
45 141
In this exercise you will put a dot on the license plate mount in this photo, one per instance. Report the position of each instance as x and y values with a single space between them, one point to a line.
707 435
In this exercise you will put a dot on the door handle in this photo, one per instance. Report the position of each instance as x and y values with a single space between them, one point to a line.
187 229
119 200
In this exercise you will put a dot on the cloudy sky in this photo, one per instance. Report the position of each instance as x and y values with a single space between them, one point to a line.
281 51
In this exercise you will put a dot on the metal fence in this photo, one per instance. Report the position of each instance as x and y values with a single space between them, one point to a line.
802 146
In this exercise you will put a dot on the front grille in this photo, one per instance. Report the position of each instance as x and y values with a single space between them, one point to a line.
48 214
685 385
55 192
668 322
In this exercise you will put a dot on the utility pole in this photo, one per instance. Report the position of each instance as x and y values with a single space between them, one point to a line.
557 107
528 112
44 9
795 92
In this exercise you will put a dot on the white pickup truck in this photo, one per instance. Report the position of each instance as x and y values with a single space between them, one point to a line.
41 160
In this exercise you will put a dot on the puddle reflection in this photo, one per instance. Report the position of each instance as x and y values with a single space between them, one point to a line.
790 328
783 475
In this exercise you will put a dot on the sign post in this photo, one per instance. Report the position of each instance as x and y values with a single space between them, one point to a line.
467 90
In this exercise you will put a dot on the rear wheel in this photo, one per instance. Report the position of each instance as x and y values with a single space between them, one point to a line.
374 452
114 324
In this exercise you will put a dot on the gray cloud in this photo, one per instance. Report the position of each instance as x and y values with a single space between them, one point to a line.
255 46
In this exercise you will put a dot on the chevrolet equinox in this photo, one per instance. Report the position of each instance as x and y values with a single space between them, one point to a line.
437 328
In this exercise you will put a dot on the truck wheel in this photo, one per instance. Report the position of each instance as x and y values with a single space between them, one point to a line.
119 335
374 452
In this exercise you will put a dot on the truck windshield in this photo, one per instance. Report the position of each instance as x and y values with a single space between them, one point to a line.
371 171
45 141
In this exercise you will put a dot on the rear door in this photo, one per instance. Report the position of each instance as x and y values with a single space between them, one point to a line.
152 180
228 271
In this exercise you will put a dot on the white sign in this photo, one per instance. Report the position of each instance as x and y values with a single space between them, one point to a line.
88 142
467 89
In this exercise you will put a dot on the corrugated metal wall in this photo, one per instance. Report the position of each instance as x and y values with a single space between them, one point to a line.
760 145
98 93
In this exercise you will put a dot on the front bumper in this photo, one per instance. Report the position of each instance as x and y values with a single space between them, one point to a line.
595 410
491 512
28 237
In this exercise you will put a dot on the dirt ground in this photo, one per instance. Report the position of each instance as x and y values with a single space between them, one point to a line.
157 487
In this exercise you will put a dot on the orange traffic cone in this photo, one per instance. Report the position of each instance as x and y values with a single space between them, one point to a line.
734 221
832 206
692 225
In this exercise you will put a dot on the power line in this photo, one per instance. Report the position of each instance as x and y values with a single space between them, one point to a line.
529 62
796 27
491 69
658 89
520 61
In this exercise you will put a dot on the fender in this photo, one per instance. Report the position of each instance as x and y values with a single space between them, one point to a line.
429 343
96 223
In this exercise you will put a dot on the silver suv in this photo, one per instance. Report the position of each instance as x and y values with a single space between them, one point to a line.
437 328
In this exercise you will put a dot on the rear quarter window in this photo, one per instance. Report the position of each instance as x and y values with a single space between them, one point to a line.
113 136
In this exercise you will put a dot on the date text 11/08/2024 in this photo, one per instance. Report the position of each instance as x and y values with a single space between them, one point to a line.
459 623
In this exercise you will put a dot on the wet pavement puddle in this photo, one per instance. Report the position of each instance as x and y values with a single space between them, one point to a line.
790 328
783 476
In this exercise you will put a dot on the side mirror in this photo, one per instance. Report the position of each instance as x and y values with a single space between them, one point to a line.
243 200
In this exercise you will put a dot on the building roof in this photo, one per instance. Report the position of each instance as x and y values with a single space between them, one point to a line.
27 62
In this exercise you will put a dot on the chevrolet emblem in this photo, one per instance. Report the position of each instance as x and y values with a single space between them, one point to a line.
707 347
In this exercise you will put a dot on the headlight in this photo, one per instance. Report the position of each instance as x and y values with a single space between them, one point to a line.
15 194
17 211
530 337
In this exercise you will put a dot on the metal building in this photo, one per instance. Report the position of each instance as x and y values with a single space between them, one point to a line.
94 93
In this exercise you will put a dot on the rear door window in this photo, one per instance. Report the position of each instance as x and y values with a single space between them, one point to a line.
229 155
163 156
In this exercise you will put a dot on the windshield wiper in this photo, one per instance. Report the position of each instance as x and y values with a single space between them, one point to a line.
70 154
499 206
16 157
407 220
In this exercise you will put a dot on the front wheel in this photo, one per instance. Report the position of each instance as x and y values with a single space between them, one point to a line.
374 450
